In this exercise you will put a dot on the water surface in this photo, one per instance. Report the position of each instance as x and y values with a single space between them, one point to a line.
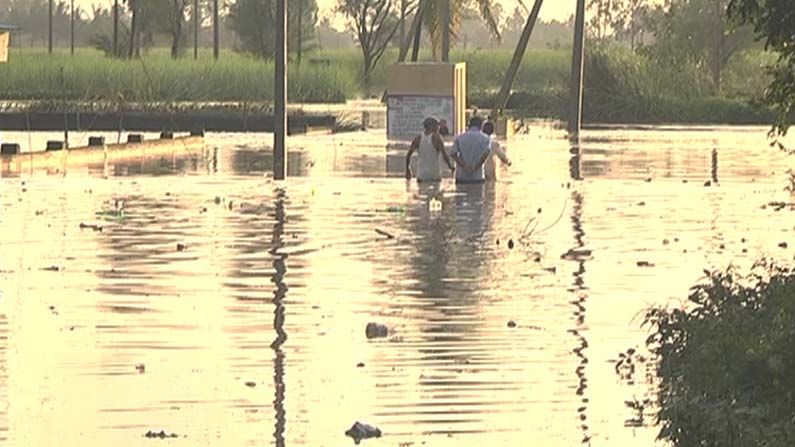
253 332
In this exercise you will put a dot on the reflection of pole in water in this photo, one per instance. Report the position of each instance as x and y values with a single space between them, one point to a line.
575 162
714 165
579 255
280 267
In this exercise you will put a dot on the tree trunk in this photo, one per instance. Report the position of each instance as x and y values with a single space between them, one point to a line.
300 36
133 30
72 30
49 27
717 48
196 14
403 7
216 25
115 28
445 30
176 32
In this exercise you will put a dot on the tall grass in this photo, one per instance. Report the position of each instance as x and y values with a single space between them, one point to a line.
620 85
32 74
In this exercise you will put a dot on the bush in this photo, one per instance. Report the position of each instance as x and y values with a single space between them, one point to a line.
725 366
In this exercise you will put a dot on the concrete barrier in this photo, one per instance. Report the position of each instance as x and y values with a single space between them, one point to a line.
63 160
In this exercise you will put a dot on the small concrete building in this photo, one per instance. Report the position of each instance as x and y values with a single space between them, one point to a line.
419 90
5 37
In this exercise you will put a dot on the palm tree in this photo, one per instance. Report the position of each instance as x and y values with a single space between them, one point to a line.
433 19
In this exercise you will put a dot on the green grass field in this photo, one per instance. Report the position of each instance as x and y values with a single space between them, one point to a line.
620 85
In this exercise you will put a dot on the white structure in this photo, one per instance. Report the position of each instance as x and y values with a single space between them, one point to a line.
5 34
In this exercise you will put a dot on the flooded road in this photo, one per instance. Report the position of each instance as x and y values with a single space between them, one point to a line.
199 297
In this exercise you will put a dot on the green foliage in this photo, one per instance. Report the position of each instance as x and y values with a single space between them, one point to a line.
724 366
254 22
699 32
774 22
621 85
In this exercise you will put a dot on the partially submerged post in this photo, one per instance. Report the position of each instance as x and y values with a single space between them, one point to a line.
280 94
575 90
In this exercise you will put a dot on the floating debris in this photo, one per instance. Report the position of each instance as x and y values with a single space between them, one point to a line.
360 365
708 183
391 209
90 227
141 368
645 264
511 324
251 384
510 244
52 268
384 233
666 242
181 247
161 434
576 254
376 330
435 205
782 244
360 431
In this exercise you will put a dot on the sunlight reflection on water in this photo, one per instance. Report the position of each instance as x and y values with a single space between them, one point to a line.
253 331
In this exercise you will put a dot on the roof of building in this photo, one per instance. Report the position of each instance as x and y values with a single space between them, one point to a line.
4 27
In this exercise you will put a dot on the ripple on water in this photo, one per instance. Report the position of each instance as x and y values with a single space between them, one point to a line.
226 308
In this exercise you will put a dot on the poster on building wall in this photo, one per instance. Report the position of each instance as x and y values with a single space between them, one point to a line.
405 113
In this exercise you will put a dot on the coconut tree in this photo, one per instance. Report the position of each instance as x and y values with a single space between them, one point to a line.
433 19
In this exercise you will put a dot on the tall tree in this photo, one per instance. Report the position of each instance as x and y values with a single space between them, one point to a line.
254 20
177 25
374 23
699 31
774 23
434 18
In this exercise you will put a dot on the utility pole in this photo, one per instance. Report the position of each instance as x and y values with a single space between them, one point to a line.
575 89
196 15
115 28
49 27
445 30
510 76
216 38
72 30
280 94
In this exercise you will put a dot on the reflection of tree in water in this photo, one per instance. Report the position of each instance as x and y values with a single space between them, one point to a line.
160 166
137 248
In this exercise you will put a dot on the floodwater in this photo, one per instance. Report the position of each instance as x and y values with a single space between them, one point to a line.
253 332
